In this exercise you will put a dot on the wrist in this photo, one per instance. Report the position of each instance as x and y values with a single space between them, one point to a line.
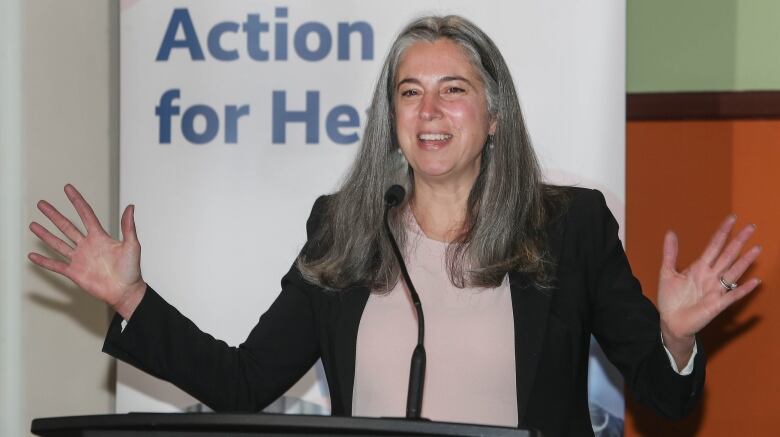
130 300
673 339
680 346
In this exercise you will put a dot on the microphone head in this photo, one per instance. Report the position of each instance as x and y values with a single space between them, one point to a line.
394 195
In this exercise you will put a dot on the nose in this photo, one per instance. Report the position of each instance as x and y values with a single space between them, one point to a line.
429 107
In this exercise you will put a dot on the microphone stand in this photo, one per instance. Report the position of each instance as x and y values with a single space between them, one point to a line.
393 197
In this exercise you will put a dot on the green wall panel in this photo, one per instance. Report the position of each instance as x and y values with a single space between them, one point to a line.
679 45
758 45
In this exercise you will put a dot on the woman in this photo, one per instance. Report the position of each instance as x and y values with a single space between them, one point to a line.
515 276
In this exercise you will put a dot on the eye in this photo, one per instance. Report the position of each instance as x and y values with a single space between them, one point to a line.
454 90
411 92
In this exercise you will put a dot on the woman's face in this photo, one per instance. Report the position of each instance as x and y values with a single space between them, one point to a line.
441 114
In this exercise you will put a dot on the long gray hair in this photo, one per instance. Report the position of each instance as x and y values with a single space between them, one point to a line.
505 221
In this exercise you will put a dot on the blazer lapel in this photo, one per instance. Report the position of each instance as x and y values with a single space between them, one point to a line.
530 308
347 324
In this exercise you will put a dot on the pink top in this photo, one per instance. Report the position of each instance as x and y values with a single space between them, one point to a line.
469 341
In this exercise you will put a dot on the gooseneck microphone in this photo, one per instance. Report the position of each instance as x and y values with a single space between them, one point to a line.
393 197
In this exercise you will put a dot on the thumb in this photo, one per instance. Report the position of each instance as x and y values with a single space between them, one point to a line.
669 260
128 224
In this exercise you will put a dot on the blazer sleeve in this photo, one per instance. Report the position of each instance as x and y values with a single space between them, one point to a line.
626 324
162 342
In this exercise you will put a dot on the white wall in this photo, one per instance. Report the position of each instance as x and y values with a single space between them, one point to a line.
65 116
10 217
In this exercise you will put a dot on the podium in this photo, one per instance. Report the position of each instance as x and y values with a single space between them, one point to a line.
244 425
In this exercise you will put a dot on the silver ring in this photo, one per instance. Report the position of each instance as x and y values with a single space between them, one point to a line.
728 285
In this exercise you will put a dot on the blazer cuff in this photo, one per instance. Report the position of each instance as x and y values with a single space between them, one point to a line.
688 369
121 341
674 395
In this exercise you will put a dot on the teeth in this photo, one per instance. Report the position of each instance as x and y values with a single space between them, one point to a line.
434 137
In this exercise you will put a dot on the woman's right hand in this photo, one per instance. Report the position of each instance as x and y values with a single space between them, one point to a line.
106 268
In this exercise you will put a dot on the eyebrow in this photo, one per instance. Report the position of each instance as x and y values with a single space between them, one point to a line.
442 79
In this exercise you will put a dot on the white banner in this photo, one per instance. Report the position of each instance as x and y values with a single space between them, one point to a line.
235 116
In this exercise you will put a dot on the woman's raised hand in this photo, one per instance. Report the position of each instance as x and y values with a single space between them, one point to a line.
106 268
690 299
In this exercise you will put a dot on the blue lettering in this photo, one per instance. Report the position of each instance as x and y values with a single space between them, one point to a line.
215 34
165 111
342 116
232 114
309 116
188 124
280 36
253 28
312 41
180 19
325 41
366 40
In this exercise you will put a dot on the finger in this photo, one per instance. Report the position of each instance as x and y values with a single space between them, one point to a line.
51 240
128 224
718 240
738 293
49 264
741 265
669 260
61 222
84 210
733 249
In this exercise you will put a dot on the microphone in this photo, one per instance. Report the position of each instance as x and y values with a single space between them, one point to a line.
393 197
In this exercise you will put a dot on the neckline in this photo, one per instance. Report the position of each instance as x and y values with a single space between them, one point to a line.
413 226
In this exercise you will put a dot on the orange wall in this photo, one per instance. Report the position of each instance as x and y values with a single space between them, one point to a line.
687 176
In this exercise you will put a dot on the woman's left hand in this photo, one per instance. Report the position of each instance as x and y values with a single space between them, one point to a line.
690 299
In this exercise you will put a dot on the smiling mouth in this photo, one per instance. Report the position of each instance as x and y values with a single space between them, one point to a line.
434 137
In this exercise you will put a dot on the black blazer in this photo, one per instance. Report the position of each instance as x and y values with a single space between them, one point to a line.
595 293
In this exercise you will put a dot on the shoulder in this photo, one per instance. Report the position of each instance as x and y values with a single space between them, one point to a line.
568 205
580 220
317 214
573 194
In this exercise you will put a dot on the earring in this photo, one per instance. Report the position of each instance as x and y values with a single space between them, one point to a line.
490 142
